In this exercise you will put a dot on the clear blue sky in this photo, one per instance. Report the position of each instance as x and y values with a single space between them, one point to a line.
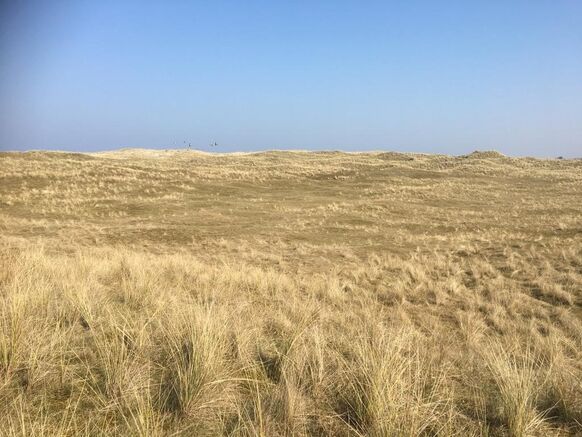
428 76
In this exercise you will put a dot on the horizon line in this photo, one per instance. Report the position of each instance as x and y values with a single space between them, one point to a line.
284 150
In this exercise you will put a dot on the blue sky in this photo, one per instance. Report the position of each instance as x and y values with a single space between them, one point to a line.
423 76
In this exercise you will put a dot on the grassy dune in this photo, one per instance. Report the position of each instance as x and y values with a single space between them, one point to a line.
156 293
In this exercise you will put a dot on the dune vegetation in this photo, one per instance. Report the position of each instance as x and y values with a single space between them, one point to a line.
155 293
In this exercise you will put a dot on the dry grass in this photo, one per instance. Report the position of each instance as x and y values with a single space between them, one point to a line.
289 293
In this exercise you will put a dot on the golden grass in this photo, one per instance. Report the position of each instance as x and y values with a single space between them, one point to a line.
155 293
